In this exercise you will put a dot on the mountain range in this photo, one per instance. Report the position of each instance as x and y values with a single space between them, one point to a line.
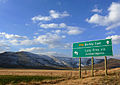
34 61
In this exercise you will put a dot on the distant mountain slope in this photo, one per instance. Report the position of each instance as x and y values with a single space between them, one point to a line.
30 60
111 63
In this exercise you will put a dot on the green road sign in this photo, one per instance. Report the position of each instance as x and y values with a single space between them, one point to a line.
93 48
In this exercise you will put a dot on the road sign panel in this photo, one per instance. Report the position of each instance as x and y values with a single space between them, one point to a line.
93 48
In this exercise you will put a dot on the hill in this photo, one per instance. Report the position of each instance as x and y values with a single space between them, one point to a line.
34 61
111 63
30 60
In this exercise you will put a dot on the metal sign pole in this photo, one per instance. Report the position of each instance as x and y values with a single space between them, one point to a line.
105 66
80 67
92 48
92 66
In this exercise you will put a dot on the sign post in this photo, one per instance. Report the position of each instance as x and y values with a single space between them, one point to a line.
105 66
80 67
92 68
93 48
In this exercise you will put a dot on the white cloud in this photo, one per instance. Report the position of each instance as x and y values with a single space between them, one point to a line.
113 26
67 46
53 25
98 19
52 15
15 39
56 31
28 42
71 30
115 39
111 32
33 49
97 10
55 14
36 33
3 46
41 18
14 42
12 36
74 30
3 49
63 36
25 42
52 40
112 20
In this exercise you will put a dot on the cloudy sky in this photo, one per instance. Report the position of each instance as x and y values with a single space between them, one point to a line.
51 26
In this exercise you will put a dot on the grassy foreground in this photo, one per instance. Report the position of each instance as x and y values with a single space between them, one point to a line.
58 77
8 79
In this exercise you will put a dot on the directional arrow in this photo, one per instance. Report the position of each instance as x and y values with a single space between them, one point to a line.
76 52
107 42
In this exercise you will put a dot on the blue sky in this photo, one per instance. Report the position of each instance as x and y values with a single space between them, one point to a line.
51 26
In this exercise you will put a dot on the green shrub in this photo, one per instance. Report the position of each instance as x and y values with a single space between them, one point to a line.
6 79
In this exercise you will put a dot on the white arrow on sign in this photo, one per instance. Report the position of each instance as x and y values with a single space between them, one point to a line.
76 52
107 42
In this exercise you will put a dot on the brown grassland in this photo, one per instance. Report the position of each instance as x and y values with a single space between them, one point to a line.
67 77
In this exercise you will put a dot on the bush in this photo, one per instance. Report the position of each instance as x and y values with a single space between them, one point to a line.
7 79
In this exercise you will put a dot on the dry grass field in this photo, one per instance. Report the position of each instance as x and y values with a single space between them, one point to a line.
67 77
